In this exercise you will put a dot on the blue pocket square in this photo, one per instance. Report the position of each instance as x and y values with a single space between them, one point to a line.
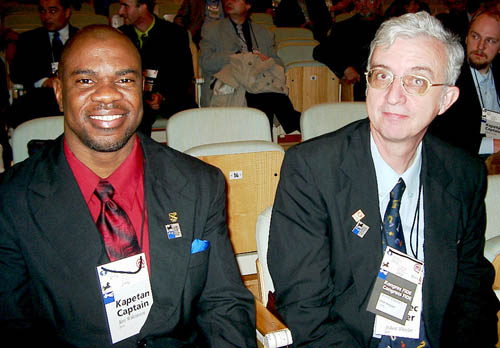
199 245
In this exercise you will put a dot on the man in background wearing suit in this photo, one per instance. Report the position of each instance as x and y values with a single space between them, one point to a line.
166 61
59 215
237 34
345 197
36 61
479 84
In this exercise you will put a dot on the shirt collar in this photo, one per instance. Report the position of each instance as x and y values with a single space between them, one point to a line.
124 179
482 79
387 177
63 34
140 34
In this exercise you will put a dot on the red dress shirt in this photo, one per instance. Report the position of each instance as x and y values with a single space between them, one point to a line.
128 182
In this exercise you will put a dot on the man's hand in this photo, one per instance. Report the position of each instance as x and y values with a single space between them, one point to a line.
155 101
263 57
351 75
496 145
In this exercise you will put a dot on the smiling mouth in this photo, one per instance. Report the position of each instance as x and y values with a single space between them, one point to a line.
106 117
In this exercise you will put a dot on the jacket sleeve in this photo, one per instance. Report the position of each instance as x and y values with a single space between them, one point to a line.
212 55
471 317
226 308
299 259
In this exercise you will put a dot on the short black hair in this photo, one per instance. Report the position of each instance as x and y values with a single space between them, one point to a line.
150 4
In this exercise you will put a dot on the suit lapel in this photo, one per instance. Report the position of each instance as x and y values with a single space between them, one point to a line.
230 33
365 254
441 210
59 207
166 192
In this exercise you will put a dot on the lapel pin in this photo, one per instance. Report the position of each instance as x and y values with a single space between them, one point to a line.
357 216
360 229
173 216
173 231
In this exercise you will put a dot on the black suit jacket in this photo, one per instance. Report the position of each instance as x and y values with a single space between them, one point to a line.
166 49
460 125
348 45
50 247
33 57
323 273
289 14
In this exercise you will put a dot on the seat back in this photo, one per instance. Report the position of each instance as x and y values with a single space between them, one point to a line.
251 170
292 34
83 19
38 128
325 118
21 22
262 18
310 84
194 127
493 207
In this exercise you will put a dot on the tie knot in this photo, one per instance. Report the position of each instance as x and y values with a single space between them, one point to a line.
398 190
104 191
56 34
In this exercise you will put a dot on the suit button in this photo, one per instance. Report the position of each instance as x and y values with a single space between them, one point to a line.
142 343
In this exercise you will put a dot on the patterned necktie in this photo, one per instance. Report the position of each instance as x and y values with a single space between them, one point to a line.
392 235
241 35
57 46
118 233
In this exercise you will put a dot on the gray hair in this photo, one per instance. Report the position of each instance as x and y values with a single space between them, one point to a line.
413 25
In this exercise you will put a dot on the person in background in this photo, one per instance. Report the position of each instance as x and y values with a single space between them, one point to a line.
36 60
166 61
310 14
479 84
352 38
236 35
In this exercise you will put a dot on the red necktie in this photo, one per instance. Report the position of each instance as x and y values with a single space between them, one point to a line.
118 233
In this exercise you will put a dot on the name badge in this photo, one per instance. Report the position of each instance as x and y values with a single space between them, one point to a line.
395 292
490 125
127 296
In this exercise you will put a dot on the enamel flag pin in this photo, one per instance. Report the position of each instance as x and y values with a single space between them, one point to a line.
361 228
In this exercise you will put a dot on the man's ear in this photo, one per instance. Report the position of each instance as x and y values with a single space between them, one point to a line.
449 97
57 85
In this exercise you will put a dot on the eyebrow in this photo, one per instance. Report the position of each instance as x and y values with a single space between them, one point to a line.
413 69
93 73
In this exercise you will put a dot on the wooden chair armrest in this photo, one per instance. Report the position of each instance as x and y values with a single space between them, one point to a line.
271 332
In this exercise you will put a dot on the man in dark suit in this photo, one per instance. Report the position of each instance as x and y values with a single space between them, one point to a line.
166 61
345 50
54 253
329 230
36 60
310 14
479 84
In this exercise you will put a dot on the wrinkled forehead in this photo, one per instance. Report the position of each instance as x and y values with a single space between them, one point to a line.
419 55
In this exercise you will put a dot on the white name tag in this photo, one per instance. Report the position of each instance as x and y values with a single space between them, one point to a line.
396 297
127 296
411 329
491 124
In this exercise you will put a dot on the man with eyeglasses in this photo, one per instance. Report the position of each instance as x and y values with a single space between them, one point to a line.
36 61
479 84
377 231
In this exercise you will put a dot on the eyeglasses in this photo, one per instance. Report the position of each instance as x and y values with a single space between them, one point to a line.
380 78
